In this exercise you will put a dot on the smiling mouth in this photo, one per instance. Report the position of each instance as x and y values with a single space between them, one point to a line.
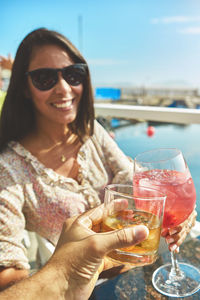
63 104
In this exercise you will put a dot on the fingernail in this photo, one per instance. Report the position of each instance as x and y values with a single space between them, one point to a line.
177 250
173 248
172 231
170 240
141 232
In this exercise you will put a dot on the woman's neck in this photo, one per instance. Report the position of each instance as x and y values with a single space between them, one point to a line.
55 149
43 138
51 132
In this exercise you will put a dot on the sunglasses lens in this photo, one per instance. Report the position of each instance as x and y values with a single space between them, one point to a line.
74 75
44 79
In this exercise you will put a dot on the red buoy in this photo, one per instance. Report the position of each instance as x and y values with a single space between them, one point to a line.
150 131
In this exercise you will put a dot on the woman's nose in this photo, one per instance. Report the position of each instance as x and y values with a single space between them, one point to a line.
62 85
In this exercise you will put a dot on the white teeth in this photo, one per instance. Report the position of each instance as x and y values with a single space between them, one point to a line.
63 105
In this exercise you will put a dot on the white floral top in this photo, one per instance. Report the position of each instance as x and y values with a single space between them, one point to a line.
38 199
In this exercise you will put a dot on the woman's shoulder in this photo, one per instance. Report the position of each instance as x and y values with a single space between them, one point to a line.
7 155
10 161
99 130
97 126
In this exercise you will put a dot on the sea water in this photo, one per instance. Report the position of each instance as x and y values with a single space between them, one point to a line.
133 139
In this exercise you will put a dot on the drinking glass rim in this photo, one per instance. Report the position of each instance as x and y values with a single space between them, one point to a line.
178 152
155 198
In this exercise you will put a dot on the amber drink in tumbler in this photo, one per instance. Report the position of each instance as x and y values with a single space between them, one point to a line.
128 205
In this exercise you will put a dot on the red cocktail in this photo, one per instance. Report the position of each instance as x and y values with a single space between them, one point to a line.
179 189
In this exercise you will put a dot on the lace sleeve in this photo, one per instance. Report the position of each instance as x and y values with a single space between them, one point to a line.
12 222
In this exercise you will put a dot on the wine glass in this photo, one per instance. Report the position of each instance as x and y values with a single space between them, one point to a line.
165 169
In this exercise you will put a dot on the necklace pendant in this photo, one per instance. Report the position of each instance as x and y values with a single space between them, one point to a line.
63 158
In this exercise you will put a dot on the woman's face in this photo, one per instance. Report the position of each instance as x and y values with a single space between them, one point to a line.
60 103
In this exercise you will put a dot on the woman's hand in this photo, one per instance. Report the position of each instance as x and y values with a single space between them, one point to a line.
175 236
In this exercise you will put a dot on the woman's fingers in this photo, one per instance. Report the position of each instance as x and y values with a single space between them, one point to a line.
176 236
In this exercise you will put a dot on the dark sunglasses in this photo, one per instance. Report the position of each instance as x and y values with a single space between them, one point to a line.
44 79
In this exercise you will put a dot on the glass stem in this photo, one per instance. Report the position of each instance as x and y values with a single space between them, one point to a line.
175 273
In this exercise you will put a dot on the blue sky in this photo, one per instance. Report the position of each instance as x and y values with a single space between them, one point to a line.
138 42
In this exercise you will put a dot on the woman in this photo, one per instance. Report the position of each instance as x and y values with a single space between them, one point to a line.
55 158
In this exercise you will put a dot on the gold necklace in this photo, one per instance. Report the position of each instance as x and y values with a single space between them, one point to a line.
63 158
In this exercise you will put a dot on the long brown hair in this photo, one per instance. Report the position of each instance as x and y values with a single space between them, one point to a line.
18 114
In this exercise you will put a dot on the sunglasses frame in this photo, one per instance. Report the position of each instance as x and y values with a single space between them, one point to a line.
79 66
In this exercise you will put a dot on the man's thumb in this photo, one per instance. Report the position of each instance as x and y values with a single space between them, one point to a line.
125 237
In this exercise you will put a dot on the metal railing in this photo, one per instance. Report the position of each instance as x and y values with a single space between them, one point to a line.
149 113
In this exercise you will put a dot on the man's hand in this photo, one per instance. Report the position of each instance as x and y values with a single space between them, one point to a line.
73 269
80 252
